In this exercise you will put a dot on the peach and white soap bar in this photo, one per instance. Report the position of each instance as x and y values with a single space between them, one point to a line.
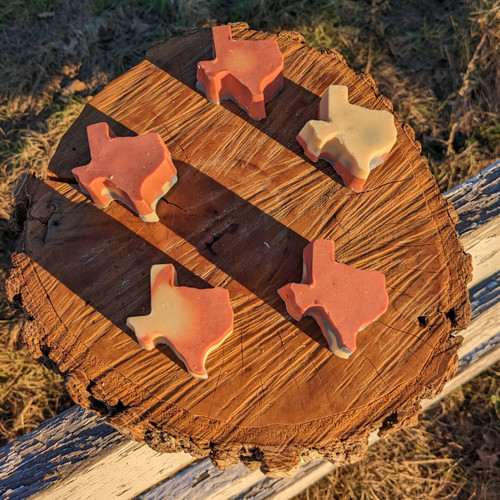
342 299
250 72
354 139
191 321
137 171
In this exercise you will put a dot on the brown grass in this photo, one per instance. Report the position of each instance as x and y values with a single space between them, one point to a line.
436 60
29 392
453 453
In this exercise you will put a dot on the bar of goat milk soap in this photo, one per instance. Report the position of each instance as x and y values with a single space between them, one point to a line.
250 72
353 139
137 171
342 299
192 322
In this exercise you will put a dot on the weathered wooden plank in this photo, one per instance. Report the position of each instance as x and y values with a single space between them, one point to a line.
476 200
76 434
77 448
76 455
204 480
107 475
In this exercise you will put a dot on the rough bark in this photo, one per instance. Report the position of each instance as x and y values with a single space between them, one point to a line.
246 204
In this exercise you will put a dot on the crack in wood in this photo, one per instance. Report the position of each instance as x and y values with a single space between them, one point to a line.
292 371
322 382
381 186
399 291
406 333
418 270
171 136
214 392
64 179
376 371
231 229
177 206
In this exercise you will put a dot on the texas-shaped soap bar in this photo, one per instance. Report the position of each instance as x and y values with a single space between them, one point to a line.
137 171
191 321
342 299
250 72
353 139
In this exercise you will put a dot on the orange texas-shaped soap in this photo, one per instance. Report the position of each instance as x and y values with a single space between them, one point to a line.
341 298
138 170
354 139
192 322
248 71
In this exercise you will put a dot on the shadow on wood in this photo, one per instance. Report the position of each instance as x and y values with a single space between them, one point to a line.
244 206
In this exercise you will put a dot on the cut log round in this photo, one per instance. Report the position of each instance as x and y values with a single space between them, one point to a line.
246 204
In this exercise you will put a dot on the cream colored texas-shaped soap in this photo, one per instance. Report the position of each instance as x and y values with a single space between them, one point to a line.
191 321
354 139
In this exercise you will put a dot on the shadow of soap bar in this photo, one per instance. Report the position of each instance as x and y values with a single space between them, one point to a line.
341 298
137 171
192 322
354 139
250 72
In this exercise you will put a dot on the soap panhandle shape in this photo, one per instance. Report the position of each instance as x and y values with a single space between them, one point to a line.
250 72
342 299
137 171
192 322
353 139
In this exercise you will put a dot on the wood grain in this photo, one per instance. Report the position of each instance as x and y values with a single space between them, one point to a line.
76 446
51 455
246 204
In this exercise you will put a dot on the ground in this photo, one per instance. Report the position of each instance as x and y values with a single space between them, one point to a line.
436 60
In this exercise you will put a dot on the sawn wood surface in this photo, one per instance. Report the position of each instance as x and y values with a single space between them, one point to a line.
246 203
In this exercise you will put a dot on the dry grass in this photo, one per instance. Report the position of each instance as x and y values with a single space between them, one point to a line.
29 392
436 60
453 453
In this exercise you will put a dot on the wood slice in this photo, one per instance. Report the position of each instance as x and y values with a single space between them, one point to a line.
246 204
